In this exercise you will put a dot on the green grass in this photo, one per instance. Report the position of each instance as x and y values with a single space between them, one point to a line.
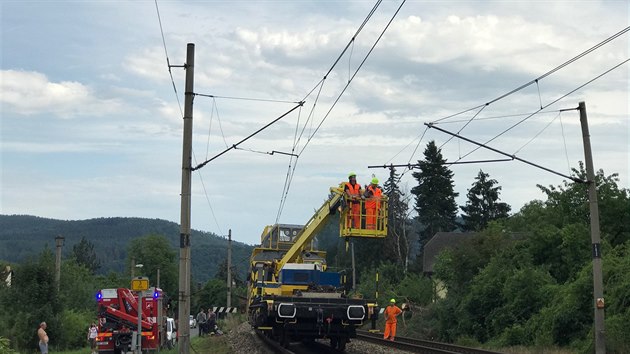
207 344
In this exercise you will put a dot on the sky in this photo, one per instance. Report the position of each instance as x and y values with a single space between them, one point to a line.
91 118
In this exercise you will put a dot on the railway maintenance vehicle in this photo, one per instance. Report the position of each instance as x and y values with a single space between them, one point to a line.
292 296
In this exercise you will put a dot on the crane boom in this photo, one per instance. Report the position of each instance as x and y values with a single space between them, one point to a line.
314 224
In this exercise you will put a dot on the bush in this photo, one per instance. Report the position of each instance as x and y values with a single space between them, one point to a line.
5 347
73 329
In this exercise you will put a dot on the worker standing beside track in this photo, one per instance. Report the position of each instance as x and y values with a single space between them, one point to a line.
352 191
391 312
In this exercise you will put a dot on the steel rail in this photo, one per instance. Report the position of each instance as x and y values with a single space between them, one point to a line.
419 345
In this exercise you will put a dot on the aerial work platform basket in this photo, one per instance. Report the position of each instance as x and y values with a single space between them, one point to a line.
363 217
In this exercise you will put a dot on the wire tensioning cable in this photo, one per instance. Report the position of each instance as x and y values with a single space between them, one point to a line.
537 134
245 98
246 138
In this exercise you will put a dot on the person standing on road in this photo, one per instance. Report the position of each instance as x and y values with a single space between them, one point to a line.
92 334
201 321
43 338
391 312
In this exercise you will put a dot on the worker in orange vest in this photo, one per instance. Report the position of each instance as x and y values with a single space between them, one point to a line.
373 194
391 312
352 191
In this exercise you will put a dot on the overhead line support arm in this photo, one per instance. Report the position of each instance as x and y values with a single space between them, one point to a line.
514 157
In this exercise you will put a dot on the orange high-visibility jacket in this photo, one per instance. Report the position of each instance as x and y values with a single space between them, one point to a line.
373 201
391 312
355 190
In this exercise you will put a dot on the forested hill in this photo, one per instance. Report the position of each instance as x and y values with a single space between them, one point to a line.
22 236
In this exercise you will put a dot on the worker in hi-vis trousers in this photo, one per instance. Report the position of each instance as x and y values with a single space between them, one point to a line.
352 191
391 312
373 194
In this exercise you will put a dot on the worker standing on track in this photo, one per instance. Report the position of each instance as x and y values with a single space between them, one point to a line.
373 194
352 191
391 312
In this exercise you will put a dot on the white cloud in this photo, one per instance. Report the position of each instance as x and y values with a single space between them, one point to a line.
436 59
29 93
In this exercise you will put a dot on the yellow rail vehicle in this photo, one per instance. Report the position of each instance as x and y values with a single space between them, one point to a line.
292 296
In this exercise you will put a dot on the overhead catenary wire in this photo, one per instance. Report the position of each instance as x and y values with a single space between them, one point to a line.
374 8
353 75
536 80
575 58
169 66
547 105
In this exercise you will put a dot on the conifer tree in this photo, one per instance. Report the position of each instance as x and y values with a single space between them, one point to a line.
483 204
84 254
397 218
435 196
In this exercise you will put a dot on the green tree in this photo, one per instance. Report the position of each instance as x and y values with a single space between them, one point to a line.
483 203
31 299
155 253
435 196
84 254
78 287
568 203
213 293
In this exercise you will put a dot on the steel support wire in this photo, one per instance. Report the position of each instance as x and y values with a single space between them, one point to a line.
234 146
513 157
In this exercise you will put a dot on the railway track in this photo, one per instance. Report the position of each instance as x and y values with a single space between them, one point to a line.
313 347
418 345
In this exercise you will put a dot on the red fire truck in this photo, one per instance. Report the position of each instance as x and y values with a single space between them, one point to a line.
118 321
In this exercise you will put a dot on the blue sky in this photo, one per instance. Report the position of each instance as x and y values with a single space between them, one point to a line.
91 127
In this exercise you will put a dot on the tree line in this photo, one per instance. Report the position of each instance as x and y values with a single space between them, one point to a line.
32 296
522 279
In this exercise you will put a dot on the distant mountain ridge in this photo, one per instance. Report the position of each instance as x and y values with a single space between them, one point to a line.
23 236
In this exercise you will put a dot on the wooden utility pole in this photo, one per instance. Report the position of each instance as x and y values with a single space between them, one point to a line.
229 269
184 234
58 245
598 287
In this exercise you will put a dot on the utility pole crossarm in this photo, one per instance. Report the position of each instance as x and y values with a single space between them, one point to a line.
511 156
